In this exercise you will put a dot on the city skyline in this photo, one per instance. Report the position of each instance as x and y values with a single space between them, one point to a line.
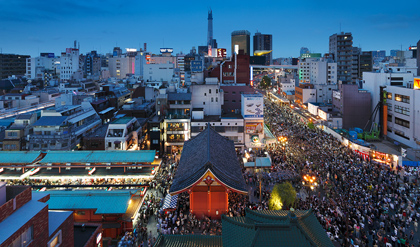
29 28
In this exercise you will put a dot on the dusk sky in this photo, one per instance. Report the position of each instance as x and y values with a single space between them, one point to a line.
30 27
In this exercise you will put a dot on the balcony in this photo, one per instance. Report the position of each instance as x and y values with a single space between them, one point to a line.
175 140
180 106
178 116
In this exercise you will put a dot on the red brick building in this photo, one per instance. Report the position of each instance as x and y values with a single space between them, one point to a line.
26 221
227 75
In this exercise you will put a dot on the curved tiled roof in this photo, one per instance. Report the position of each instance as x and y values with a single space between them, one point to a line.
274 228
208 151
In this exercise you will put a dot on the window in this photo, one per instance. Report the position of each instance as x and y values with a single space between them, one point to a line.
389 95
400 133
389 118
56 240
24 239
212 99
402 110
155 141
204 103
402 122
216 99
109 144
217 90
205 94
209 91
402 98
12 133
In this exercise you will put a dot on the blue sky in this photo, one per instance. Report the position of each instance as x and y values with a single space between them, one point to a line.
30 27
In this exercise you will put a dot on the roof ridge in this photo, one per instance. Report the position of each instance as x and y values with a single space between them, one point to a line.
308 236
235 222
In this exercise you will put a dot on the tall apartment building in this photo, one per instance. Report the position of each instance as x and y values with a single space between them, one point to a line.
69 63
242 39
120 66
317 71
264 42
12 64
92 65
180 61
341 46
418 59
355 54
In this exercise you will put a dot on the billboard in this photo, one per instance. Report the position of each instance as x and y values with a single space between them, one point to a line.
221 52
254 128
196 66
416 83
252 106
166 50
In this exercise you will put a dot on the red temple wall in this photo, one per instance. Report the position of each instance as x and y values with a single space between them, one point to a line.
213 203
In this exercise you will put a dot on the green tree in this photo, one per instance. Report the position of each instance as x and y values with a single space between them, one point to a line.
311 125
282 196
265 82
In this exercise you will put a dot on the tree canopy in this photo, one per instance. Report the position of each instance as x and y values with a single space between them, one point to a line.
282 196
265 82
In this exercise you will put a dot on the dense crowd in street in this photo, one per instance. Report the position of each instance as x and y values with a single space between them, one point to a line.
359 202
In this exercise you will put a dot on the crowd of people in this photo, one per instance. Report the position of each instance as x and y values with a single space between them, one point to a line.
358 202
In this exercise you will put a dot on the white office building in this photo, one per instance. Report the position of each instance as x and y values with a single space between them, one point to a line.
69 63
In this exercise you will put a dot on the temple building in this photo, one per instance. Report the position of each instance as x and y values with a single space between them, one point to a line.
208 170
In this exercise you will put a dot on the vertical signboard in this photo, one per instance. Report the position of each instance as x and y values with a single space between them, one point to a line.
252 106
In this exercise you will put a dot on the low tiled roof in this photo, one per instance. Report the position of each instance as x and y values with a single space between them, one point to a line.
19 157
50 121
188 241
24 116
98 156
208 151
105 202
274 228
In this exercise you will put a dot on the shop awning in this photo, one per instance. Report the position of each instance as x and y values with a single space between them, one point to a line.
170 201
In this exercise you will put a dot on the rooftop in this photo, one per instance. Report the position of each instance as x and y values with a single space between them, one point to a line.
123 120
19 218
24 116
208 151
18 157
105 202
140 156
99 132
179 96
83 234
55 219
50 121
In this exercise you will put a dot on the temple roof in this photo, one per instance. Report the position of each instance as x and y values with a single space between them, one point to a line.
259 228
208 151
274 228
